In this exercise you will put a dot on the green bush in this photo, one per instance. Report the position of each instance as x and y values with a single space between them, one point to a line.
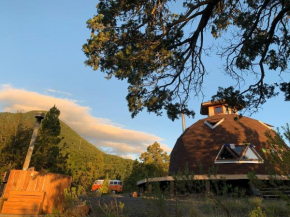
257 212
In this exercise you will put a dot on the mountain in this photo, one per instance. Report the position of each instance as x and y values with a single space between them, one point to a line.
84 159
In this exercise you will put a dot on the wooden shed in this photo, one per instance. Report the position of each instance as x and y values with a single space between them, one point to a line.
33 193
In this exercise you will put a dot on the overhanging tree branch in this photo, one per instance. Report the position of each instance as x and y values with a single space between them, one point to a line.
152 48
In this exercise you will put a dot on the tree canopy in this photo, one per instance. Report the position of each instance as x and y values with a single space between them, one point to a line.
154 163
156 160
14 150
161 52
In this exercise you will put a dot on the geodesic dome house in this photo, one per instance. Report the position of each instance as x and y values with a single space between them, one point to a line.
231 146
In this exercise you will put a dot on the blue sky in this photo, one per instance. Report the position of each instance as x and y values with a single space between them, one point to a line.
41 64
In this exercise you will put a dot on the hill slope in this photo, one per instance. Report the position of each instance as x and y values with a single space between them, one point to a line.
83 156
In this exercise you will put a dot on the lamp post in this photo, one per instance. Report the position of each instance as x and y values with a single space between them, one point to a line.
39 116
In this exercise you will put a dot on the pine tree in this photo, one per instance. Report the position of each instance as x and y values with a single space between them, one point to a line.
48 154
13 153
156 160
280 155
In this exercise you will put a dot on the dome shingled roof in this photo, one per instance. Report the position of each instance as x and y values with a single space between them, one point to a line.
200 145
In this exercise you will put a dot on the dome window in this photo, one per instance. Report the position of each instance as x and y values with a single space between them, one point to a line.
244 153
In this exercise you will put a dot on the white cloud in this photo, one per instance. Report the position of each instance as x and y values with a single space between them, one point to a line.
57 91
99 131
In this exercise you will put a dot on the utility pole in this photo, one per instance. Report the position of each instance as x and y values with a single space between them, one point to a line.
39 116
183 122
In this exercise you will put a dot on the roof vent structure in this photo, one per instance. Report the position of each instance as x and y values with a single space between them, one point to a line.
215 108
213 123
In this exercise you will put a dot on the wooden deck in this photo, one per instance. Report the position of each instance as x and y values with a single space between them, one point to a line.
207 177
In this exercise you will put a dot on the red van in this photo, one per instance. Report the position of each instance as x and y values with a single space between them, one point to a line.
115 186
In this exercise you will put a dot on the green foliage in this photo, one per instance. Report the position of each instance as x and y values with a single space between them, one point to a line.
13 152
184 181
257 212
56 213
156 160
286 133
159 202
137 173
255 181
280 156
255 201
279 160
15 135
160 51
71 202
50 127
154 163
117 167
70 197
47 152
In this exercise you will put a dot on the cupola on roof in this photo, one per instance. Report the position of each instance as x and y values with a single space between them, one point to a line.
215 107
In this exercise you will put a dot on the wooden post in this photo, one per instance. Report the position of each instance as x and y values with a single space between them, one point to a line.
150 188
39 117
207 186
183 122
172 188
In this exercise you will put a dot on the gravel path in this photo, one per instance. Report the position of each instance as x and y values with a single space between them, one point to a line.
133 207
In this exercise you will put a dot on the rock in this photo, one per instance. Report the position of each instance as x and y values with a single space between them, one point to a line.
135 194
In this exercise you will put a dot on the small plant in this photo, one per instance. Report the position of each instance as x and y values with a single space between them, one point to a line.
55 213
71 201
256 201
112 208
257 212
105 187
160 202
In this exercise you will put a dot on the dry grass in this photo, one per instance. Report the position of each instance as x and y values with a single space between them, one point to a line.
191 206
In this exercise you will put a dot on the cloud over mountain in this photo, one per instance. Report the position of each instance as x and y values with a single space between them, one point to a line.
101 132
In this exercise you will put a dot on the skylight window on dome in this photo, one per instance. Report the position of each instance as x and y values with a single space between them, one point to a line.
231 153
213 123
250 155
227 154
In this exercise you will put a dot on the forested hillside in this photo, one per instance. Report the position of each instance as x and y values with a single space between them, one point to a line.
84 161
